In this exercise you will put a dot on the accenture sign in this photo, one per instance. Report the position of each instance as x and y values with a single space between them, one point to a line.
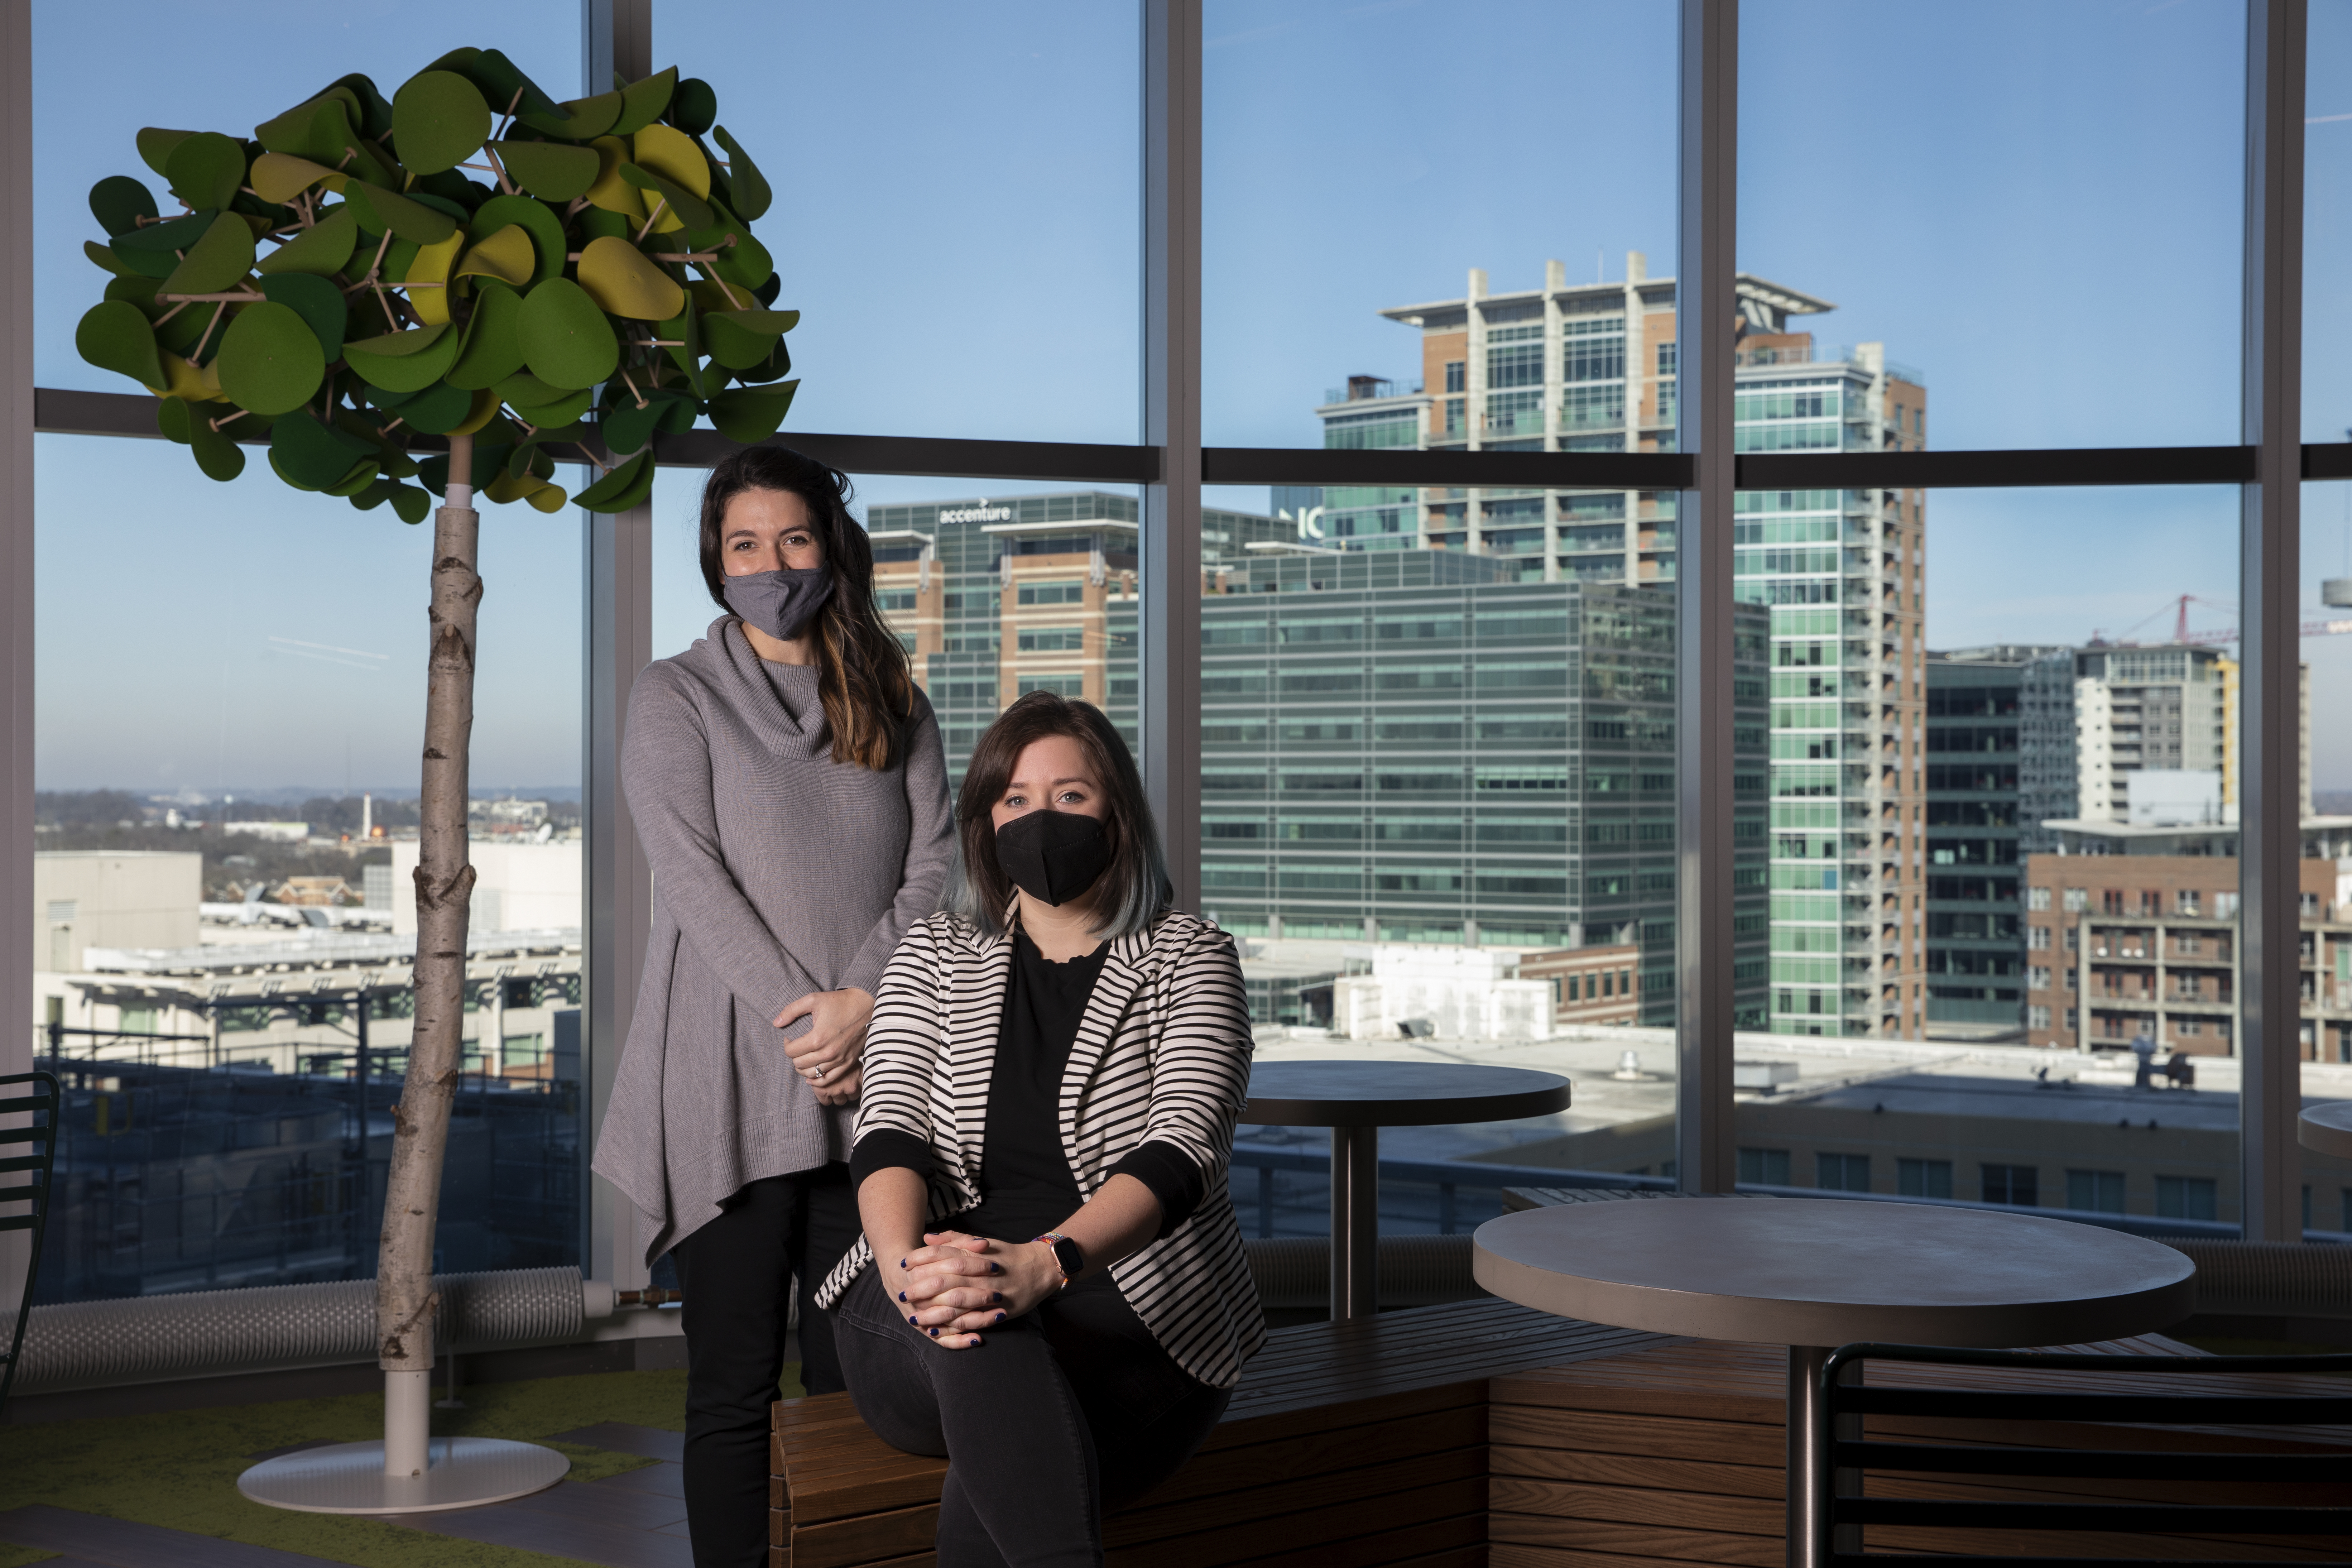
980 513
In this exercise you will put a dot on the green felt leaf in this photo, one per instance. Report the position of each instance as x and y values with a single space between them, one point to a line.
538 219
562 411
554 171
115 335
412 505
357 480
460 60
223 256
171 235
505 254
379 491
155 146
622 488
693 106
319 130
490 463
379 211
741 339
691 209
743 177
746 263
751 417
321 250
685 330
405 361
374 111
140 292
438 409
596 223
778 363
493 350
644 101
218 454
105 257
171 419
205 169
270 359
582 119
320 304
566 341
118 202
450 207
501 80
438 121
313 455
629 428
522 387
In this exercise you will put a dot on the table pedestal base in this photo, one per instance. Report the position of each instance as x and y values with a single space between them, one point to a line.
1354 1222
1810 1479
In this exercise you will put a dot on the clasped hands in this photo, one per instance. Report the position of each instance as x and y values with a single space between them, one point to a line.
954 1286
827 1056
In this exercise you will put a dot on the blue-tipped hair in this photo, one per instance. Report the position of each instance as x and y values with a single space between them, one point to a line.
1133 892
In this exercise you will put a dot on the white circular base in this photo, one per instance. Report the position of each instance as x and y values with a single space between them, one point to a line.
348 1477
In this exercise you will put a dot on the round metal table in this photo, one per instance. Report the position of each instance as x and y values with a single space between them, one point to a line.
1813 1273
2326 1128
1355 1099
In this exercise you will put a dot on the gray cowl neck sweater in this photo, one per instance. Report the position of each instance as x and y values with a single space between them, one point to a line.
777 873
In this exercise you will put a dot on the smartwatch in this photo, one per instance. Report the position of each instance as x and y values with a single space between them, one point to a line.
1068 1256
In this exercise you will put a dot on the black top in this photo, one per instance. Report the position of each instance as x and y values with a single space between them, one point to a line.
1025 1184
1398 1094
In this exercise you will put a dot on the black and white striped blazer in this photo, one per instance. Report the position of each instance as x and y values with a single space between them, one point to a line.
1163 1052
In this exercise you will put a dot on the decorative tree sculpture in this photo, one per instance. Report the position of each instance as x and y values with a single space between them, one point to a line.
339 287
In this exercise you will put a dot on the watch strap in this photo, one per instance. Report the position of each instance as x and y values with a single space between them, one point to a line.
1069 1257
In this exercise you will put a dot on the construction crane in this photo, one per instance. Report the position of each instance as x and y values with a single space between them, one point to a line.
2179 609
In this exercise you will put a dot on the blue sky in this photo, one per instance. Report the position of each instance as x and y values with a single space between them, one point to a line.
2036 204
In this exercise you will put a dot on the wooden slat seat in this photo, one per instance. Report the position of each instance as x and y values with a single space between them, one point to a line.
1675 1453
1356 1445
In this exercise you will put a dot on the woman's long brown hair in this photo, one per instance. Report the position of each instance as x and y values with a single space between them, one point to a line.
864 680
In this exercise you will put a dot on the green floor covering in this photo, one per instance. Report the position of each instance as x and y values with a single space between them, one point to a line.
180 1471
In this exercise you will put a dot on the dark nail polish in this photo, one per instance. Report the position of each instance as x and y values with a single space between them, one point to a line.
935 1333
910 1317
902 1263
996 1269
1000 1317
902 1295
995 1297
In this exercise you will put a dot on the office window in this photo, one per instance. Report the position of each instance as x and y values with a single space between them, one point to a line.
1764 1167
1455 378
2017 1184
1923 1178
2185 1197
1842 1173
2095 1191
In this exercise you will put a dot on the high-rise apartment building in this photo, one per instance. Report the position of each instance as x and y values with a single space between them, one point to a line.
1976 944
1591 367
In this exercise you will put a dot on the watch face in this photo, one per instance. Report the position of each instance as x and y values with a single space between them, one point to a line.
1069 1257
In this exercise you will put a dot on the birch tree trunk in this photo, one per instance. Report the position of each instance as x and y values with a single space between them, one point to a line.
406 1301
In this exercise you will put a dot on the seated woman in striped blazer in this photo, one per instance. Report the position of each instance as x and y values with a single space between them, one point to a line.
1051 1289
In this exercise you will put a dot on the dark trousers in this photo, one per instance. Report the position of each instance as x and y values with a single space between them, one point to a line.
738 1274
1057 1417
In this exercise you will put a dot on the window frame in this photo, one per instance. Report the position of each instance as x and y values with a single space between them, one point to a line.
1171 466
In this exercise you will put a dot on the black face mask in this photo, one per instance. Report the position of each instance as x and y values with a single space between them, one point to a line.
1055 855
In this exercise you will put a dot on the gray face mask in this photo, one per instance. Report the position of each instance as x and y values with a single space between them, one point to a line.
780 604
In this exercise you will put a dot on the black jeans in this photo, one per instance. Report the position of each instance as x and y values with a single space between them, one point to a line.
1055 1418
738 1274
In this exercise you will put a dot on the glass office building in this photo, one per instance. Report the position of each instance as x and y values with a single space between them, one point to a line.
1839 574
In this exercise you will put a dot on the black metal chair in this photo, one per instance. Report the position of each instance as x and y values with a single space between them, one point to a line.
1843 1456
27 1180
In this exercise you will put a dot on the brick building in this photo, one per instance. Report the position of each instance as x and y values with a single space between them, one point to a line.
2122 942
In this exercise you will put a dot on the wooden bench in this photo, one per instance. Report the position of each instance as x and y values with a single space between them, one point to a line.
1356 1445
1675 1452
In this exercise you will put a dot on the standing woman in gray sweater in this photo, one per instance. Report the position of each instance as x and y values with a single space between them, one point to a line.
786 778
